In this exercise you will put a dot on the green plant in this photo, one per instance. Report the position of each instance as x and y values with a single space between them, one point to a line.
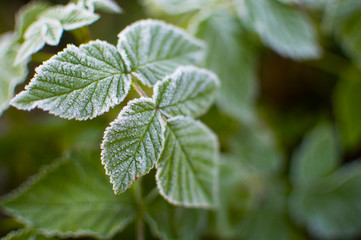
167 169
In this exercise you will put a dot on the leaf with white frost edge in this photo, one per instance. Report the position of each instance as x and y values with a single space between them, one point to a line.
187 168
71 16
132 143
79 82
281 27
77 199
156 49
189 91
105 5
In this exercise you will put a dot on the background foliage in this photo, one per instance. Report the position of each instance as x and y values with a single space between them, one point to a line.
286 116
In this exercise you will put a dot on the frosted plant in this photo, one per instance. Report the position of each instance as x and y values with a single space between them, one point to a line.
86 81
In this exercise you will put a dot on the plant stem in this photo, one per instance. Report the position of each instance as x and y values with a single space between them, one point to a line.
82 35
139 221
139 89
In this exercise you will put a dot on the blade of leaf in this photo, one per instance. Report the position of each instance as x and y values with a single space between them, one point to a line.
189 91
171 222
156 49
103 5
132 143
187 169
78 83
25 234
331 208
76 197
233 57
281 27
71 16
317 156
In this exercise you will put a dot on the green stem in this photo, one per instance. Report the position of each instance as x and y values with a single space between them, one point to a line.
138 89
82 35
139 221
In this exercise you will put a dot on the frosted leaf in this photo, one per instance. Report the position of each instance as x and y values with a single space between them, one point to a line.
132 143
105 5
156 49
71 16
175 7
28 15
43 31
189 91
10 75
187 167
281 27
25 234
79 82
76 197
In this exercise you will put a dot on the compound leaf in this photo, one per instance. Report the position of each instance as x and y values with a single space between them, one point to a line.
76 197
280 27
187 168
156 49
132 143
317 157
189 91
71 16
79 82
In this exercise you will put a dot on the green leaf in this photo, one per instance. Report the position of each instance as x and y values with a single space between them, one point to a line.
10 75
104 5
155 49
331 208
256 151
175 7
171 222
317 156
24 234
28 15
132 143
281 27
78 83
348 110
189 91
233 57
77 200
71 16
187 168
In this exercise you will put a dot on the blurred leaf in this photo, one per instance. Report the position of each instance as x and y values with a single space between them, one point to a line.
348 110
281 27
28 15
331 207
10 75
175 7
170 222
25 234
76 197
103 5
233 57
317 157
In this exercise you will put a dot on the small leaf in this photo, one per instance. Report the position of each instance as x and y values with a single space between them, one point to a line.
10 75
187 169
50 30
71 16
171 222
78 83
77 200
28 15
104 5
156 49
132 143
331 208
317 156
189 91
281 27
